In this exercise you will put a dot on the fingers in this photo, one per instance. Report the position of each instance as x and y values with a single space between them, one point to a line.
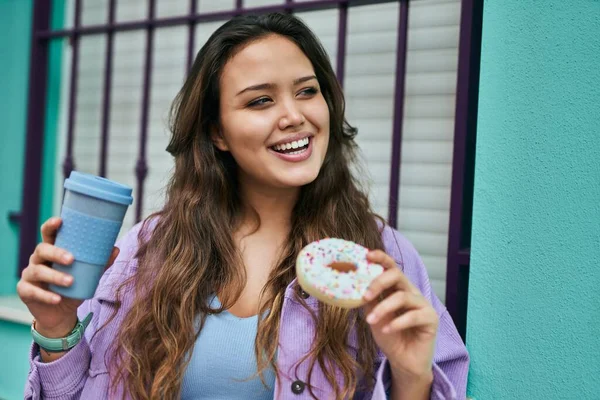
391 279
391 269
403 295
412 319
382 258
398 301
36 273
45 252
31 293
49 229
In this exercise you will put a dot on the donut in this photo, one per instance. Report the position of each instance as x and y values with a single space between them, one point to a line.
336 272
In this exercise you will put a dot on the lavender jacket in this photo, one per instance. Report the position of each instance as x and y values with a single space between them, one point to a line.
82 373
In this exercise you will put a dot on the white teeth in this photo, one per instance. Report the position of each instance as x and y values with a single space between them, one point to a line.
292 145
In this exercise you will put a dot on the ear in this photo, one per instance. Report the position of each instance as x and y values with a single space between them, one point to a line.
218 139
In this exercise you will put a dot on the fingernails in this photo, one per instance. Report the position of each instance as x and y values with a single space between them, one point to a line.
67 257
386 329
67 280
371 318
369 295
55 299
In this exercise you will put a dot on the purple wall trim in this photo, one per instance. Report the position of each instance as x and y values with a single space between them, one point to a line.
107 90
141 167
394 201
36 112
204 17
465 125
69 163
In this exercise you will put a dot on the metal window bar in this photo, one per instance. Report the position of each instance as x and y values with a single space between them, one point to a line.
401 50
341 42
463 164
69 163
108 59
465 109
192 34
315 5
239 4
141 167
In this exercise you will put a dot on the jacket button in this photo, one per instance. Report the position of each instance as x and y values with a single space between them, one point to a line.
303 294
298 387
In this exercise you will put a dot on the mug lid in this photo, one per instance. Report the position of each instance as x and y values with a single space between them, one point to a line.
99 187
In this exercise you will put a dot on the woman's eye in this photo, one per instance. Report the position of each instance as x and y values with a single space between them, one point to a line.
259 102
310 91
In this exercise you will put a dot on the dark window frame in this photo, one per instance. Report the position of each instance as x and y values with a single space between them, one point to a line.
465 118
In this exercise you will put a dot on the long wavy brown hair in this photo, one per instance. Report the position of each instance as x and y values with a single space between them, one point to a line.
191 255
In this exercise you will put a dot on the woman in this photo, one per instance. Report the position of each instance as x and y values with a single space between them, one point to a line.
201 301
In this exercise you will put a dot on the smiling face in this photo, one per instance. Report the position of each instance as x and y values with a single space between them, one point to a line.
273 117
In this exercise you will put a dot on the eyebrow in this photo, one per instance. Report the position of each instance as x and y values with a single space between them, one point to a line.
263 86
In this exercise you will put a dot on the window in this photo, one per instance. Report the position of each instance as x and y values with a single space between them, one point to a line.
428 128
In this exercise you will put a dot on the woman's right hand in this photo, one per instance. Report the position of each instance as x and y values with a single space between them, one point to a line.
55 316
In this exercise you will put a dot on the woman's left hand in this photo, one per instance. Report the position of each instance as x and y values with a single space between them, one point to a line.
404 324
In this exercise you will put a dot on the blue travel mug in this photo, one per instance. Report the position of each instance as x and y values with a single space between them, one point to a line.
92 214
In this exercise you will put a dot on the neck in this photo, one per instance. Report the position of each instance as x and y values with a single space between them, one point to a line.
273 205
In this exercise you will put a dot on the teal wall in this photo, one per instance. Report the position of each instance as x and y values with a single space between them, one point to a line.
534 290
15 20
15 23
15 365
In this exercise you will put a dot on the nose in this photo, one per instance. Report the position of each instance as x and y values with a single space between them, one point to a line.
292 116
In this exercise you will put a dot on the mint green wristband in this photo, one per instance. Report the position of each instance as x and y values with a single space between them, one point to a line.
66 343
